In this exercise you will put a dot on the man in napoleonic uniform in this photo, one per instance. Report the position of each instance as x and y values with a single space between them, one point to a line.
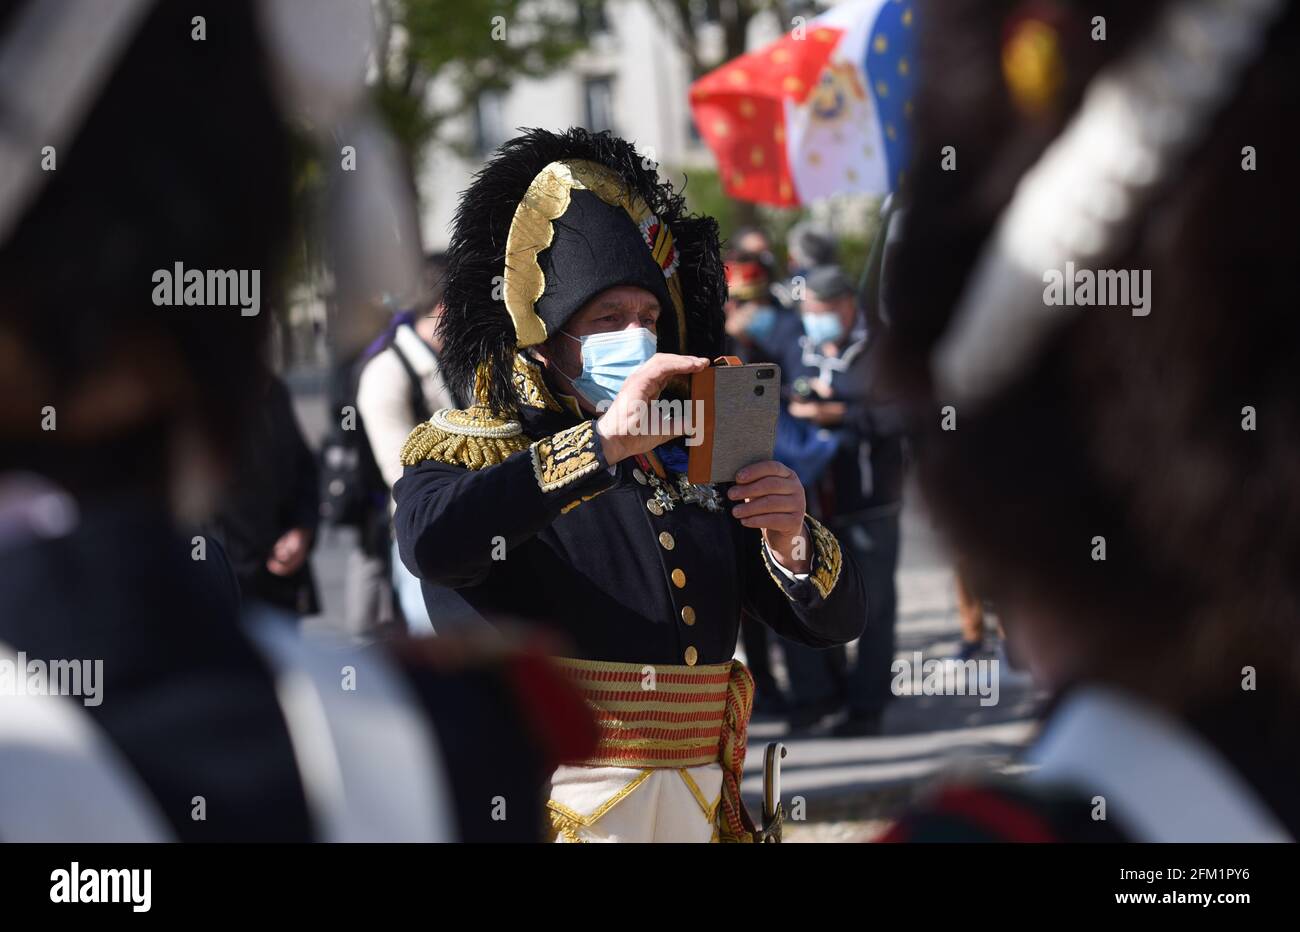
578 292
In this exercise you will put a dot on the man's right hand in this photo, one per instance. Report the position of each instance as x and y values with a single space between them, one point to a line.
623 428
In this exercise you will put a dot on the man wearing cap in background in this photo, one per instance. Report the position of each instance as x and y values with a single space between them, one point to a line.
578 290
830 373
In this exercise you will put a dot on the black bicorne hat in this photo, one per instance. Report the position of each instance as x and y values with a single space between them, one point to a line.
551 221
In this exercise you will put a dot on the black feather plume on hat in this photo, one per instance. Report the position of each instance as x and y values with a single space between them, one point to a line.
476 328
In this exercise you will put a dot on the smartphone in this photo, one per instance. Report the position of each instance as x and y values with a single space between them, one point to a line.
738 406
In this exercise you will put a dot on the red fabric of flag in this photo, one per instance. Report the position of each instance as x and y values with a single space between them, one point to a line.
739 110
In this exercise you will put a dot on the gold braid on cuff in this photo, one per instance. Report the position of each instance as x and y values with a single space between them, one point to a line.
826 559
563 458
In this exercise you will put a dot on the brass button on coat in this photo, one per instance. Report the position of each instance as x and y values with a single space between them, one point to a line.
679 579
655 508
666 540
688 615
692 655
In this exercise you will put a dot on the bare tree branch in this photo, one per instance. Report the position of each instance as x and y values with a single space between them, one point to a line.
675 16
383 37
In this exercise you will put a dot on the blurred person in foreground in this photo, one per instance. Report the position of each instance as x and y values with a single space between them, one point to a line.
401 385
560 498
832 374
1122 478
117 418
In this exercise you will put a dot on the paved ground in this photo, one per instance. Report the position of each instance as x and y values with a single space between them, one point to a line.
848 780
849 787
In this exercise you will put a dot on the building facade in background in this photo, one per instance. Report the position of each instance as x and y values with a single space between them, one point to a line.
632 78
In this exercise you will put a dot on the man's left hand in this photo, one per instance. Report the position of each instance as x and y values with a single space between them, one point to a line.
771 497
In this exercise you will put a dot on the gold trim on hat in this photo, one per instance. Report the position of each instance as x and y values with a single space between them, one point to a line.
531 231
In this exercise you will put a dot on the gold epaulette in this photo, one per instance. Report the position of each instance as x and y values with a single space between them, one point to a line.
470 438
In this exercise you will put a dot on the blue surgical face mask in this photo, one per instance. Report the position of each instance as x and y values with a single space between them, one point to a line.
608 359
761 323
823 328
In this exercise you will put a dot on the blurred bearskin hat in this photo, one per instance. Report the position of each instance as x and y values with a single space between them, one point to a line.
550 222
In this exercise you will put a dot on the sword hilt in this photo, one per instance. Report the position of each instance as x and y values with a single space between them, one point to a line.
773 812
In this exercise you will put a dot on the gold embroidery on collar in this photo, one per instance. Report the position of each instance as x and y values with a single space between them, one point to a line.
532 391
565 457
472 439
531 232
530 386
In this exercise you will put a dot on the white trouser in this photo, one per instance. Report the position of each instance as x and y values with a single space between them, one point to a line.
613 804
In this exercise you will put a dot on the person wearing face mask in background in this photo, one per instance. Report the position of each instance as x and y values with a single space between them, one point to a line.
551 501
831 376
758 324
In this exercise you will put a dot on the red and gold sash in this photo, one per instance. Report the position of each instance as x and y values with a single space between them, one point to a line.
663 716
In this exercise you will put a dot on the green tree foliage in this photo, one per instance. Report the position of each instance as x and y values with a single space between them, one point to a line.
464 48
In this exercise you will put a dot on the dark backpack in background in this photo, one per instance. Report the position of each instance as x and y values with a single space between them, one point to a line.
353 491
